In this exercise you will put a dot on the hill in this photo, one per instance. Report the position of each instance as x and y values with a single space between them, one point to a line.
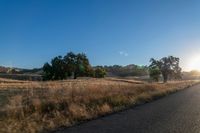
3 69
20 73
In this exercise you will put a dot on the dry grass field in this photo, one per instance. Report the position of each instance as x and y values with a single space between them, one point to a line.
30 107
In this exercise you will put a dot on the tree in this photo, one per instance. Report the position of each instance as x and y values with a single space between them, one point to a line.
168 66
89 72
177 74
154 73
100 72
59 69
47 72
82 65
70 63
55 71
77 65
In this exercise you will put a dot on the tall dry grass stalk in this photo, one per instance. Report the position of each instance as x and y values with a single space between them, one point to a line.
42 106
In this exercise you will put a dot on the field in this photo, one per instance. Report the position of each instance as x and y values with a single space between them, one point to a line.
32 77
30 106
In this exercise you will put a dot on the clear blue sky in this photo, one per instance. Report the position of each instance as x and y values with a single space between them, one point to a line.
108 31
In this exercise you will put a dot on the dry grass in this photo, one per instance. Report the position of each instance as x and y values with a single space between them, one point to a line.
30 107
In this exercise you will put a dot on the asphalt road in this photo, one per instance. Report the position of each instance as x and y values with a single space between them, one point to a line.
176 113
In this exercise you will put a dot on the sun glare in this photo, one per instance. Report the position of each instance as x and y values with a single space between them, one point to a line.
195 63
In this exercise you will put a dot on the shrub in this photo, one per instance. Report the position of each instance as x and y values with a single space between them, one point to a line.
100 73
154 74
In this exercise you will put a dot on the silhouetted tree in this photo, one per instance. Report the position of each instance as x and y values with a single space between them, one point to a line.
47 72
168 66
59 69
178 72
55 71
82 65
75 65
70 63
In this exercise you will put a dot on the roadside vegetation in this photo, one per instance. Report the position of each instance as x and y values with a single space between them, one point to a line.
32 107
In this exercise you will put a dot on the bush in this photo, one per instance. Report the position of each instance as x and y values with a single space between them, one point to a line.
154 74
100 73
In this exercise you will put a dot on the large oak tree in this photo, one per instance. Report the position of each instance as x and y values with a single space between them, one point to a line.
168 66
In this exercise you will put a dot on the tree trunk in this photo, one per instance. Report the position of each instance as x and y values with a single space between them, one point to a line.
75 76
165 77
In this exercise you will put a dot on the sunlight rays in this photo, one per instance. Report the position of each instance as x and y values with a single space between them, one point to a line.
194 63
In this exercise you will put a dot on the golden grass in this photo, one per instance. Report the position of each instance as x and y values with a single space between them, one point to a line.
42 106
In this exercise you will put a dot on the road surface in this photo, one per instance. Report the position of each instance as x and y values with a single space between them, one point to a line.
176 113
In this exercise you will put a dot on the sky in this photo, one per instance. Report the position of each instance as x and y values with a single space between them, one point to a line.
110 32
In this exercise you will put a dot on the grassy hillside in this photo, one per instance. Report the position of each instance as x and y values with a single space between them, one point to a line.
30 77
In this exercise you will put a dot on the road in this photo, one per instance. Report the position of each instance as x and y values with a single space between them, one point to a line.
176 113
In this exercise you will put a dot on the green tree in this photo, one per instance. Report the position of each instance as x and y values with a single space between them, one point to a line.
70 63
59 69
47 72
100 72
89 72
168 66
154 73
82 65
77 65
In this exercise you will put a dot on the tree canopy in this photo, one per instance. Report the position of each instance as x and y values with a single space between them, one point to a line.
99 72
154 73
70 65
168 66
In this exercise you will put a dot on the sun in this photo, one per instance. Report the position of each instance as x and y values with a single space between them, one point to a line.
194 63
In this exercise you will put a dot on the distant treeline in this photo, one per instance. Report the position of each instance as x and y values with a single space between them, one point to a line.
125 71
78 65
